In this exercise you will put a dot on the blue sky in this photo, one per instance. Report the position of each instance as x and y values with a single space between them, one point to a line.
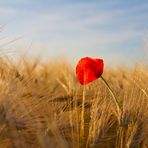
116 30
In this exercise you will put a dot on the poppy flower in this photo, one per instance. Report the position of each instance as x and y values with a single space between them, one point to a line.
89 69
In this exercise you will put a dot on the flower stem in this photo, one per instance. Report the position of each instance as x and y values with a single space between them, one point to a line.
82 114
82 119
114 99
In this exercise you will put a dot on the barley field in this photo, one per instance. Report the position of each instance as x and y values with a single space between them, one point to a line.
42 105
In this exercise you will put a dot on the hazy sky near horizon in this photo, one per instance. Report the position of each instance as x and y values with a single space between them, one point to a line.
116 30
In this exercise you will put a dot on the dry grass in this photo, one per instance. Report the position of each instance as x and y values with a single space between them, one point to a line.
41 107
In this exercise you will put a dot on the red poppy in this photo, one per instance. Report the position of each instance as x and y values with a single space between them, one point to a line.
89 69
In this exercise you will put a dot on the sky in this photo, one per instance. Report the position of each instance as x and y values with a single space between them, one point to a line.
116 30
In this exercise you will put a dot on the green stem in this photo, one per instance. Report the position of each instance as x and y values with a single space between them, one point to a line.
82 115
114 99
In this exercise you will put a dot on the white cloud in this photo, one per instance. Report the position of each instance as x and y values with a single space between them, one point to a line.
75 29
7 11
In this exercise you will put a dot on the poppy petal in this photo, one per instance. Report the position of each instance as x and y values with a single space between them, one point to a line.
89 69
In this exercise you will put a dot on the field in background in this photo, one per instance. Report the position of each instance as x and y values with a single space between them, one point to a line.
41 107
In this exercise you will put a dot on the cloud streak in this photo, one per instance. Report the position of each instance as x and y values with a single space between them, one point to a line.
78 29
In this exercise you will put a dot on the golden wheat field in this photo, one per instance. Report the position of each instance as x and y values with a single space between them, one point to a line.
42 105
